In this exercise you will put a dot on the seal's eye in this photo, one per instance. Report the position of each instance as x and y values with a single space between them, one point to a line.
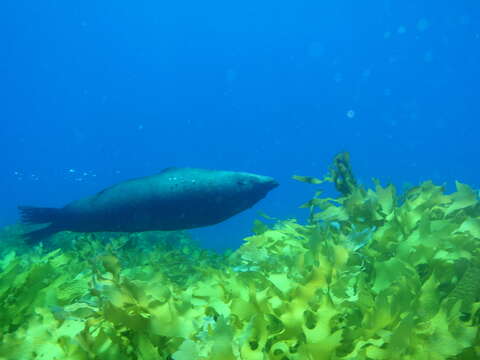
241 182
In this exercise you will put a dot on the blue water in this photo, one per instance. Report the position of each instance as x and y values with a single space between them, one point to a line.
96 92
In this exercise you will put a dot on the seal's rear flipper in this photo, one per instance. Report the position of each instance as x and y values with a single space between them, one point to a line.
36 215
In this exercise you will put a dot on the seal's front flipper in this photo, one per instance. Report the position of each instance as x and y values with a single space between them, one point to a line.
34 237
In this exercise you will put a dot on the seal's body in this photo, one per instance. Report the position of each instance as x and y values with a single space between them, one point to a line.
175 199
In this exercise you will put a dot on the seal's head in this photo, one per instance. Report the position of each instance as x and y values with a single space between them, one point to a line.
254 186
222 194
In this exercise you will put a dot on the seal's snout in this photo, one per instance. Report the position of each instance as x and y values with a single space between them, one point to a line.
273 183
269 182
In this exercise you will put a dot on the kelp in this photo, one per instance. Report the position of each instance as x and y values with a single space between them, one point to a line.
373 275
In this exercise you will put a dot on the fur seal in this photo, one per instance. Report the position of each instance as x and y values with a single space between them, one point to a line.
174 199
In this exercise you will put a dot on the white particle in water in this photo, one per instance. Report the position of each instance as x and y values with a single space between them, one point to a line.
422 24
316 49
428 57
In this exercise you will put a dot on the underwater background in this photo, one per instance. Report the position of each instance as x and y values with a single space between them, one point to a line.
97 92
94 93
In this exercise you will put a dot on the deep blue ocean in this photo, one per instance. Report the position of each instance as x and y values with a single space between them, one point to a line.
96 92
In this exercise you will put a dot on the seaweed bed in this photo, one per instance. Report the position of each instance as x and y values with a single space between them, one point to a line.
373 275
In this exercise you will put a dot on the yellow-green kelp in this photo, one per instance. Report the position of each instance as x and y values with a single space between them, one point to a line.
372 276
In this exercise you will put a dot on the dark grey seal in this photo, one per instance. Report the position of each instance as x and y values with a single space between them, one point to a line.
174 199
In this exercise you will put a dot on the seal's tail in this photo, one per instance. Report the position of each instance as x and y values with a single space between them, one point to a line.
36 215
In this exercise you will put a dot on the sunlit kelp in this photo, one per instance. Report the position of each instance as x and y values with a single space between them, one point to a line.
372 276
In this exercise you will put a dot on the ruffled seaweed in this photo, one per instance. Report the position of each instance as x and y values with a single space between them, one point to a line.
373 275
